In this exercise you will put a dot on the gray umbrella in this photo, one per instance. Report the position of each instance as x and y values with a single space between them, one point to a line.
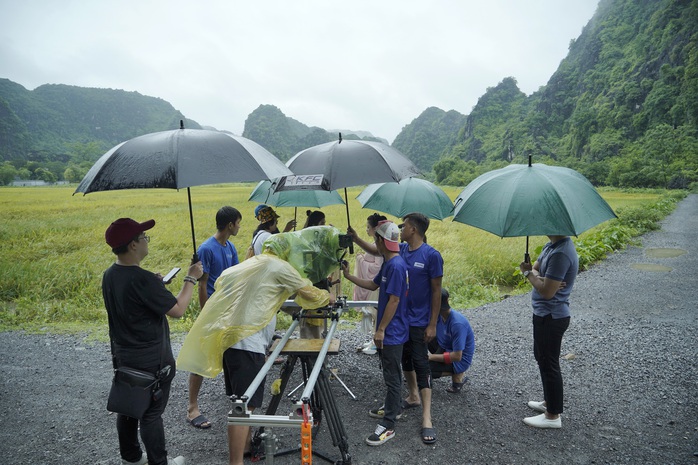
348 163
181 158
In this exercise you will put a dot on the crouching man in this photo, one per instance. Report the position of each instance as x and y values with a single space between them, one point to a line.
451 353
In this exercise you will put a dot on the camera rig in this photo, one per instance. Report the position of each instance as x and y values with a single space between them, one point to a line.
317 388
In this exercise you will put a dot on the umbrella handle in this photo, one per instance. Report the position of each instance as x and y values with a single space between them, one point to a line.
527 257
346 204
195 257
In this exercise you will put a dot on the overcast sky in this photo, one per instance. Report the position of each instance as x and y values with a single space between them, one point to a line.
360 65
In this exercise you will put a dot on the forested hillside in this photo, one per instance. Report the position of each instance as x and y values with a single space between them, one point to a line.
55 128
56 132
622 108
425 138
284 136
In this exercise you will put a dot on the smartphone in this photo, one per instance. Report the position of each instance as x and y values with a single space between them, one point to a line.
173 272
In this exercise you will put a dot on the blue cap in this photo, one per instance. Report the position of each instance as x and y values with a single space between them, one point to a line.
258 208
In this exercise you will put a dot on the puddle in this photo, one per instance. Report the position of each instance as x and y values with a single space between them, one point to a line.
650 267
664 253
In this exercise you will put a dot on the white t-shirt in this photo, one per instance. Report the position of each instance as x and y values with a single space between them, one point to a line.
260 341
258 241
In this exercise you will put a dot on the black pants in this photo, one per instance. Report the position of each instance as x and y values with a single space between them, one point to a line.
547 340
152 431
392 376
415 357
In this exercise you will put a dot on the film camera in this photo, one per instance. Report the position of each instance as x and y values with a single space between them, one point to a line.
345 241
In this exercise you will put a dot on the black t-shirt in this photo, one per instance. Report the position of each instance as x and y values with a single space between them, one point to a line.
136 302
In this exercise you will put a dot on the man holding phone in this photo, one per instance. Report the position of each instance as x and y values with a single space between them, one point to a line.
137 302
217 253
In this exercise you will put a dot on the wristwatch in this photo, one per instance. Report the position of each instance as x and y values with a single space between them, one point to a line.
526 273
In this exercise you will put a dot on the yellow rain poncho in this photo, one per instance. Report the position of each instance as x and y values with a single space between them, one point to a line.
248 295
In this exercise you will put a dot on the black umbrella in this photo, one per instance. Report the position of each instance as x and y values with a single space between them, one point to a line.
348 163
181 158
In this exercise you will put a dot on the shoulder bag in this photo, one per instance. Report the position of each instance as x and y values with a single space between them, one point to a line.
133 390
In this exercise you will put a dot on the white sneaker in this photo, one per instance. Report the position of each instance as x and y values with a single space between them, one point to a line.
539 421
380 436
176 461
537 406
370 350
142 461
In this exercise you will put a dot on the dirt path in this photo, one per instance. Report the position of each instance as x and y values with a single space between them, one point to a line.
630 368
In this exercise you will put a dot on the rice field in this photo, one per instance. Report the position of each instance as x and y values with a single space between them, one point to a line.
53 254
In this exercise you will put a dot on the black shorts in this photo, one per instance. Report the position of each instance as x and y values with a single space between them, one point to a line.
240 368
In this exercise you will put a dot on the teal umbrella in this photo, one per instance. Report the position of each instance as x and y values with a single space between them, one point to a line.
407 196
532 200
264 193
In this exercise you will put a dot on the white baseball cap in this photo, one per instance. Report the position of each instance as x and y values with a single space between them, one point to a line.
390 233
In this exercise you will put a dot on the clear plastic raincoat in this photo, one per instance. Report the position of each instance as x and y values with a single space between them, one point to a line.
248 295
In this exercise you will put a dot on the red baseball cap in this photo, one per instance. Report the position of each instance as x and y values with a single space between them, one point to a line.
123 230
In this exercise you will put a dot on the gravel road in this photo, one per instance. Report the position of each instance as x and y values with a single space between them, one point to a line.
629 364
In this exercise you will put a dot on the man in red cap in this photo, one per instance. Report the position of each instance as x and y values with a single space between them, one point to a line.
137 302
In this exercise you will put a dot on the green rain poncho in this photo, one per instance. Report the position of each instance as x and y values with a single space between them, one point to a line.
248 295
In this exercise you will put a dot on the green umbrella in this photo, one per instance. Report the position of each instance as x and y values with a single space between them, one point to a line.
532 200
407 196
264 193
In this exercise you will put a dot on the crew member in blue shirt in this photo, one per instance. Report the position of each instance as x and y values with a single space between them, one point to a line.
391 326
217 253
451 353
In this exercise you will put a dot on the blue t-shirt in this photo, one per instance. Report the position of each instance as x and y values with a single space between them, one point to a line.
456 334
424 264
392 280
215 258
558 261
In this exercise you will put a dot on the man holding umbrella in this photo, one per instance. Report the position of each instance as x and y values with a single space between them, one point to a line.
423 304
217 253
391 325
552 277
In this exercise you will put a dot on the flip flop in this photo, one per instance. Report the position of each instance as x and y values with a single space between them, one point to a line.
428 433
406 405
455 388
200 422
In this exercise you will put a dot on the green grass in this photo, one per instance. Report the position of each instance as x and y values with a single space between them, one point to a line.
53 254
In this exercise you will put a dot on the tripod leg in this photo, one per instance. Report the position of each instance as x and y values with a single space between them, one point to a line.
346 388
335 425
286 370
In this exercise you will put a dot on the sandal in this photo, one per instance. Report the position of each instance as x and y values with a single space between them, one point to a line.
406 405
428 435
200 422
455 388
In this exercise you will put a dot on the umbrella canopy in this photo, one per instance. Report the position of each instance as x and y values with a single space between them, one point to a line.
531 200
353 163
345 164
181 158
264 193
407 196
